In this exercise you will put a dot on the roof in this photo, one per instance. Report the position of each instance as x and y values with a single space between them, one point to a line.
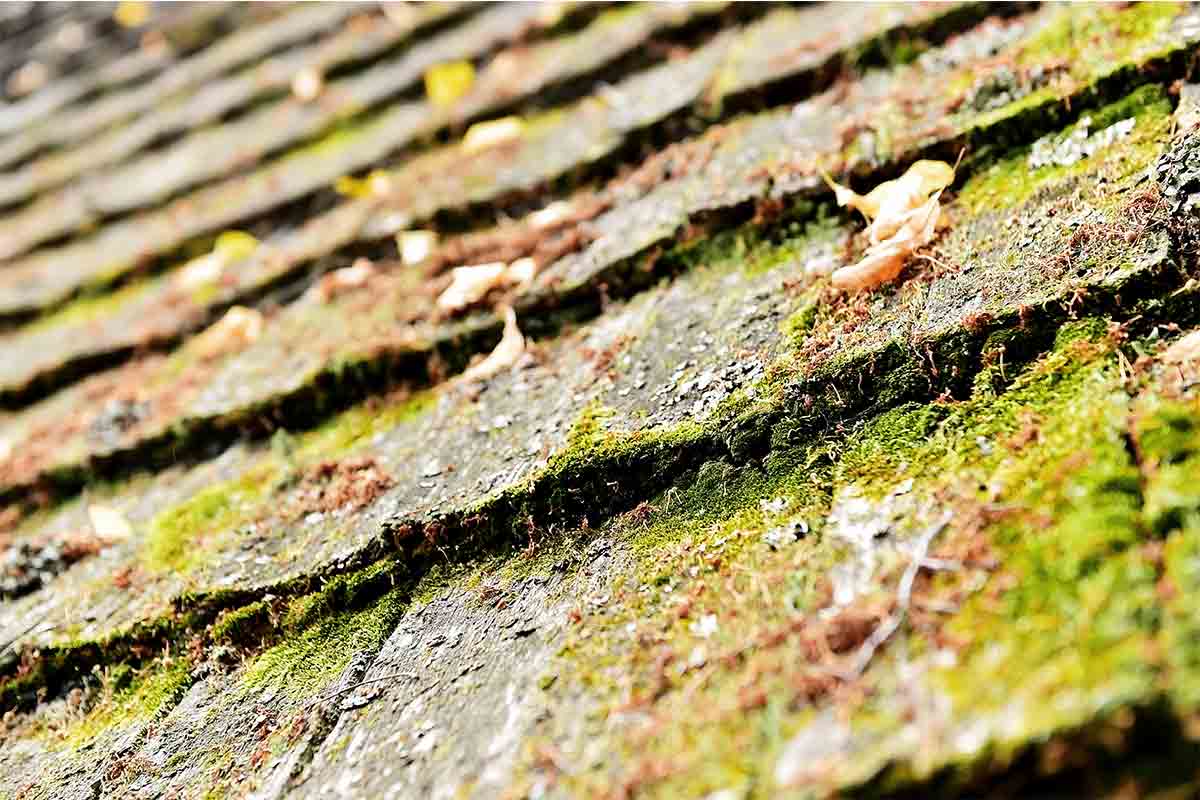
652 508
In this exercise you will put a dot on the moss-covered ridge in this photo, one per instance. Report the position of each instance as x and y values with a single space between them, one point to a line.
1033 657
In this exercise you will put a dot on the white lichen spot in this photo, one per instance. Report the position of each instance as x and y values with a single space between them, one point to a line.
1063 150
902 216
506 354
705 627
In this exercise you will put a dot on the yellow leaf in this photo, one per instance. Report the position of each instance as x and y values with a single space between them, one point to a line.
234 246
375 184
131 14
446 83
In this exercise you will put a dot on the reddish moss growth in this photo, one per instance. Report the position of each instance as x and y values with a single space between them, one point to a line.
336 485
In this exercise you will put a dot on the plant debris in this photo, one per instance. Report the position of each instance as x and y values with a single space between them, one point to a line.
506 354
235 331
902 216
469 285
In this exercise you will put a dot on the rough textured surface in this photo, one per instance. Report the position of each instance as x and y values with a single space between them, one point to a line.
718 530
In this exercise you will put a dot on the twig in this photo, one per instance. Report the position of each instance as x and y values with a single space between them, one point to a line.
22 635
881 634
353 686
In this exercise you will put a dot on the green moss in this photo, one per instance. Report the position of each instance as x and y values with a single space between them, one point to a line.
175 538
1011 181
127 697
89 308
1167 434
1181 625
310 657
358 425
235 625
1103 38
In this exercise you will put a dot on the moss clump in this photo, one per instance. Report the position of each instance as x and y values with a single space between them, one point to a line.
1167 435
125 697
315 651
175 538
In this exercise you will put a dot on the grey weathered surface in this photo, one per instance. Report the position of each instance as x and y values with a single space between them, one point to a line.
720 530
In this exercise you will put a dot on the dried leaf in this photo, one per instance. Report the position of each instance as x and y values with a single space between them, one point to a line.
341 280
238 329
307 85
415 246
108 523
485 135
230 248
903 215
446 83
469 285
506 354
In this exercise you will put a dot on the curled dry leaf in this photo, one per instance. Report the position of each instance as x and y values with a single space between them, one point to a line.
469 285
902 215
506 354
230 248
109 524
341 280
307 85
493 133
32 76
415 246
235 331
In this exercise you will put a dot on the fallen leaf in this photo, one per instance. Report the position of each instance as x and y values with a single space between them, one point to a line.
340 280
307 85
903 216
235 331
108 523
415 246
506 354
446 83
493 133
469 285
